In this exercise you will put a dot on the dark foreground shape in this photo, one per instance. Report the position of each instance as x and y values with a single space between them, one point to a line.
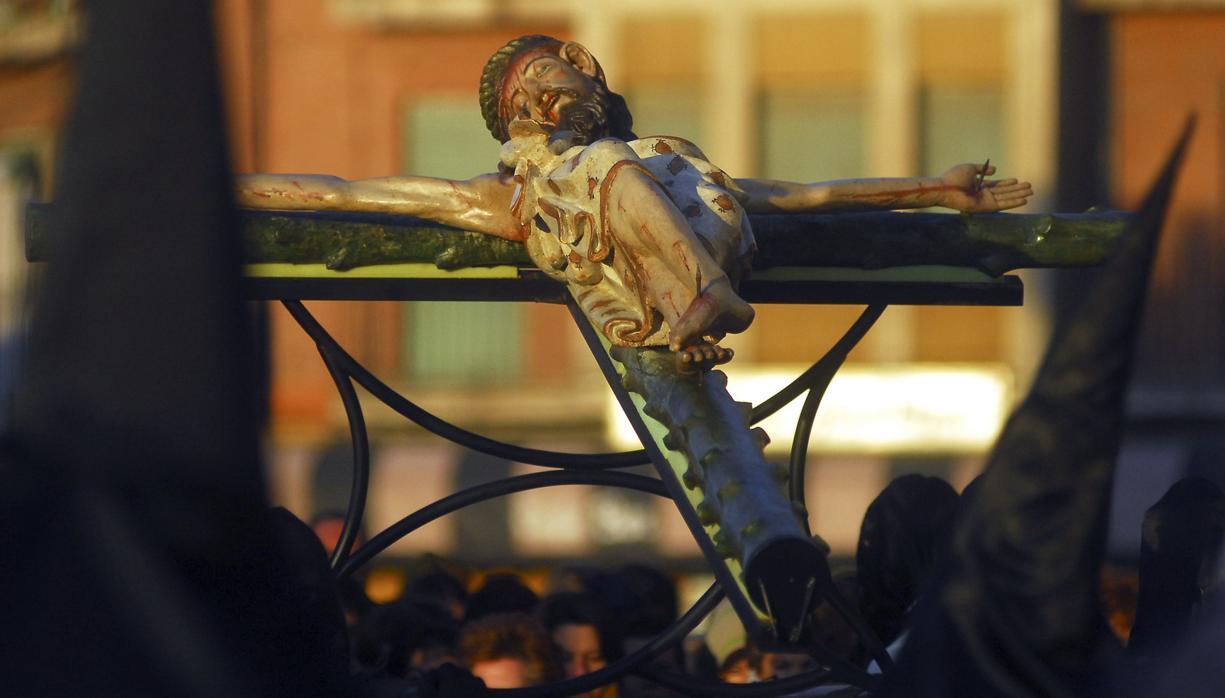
1016 610
133 466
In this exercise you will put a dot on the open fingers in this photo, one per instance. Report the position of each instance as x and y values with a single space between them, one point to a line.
1009 193
1010 187
1012 199
1017 190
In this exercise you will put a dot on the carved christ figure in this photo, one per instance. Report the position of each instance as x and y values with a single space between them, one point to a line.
651 238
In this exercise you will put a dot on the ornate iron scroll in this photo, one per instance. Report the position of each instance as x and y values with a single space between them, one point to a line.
589 469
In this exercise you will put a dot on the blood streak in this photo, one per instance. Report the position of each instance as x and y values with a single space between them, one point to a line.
904 192
667 296
679 248
645 231
592 183
455 191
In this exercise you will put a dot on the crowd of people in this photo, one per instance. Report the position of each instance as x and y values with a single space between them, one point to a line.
501 630
508 635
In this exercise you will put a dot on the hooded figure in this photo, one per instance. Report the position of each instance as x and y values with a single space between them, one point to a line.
1180 541
905 530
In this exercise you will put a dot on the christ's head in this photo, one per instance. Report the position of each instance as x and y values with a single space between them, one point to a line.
555 83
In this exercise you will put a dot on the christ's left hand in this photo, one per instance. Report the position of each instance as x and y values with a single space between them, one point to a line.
967 196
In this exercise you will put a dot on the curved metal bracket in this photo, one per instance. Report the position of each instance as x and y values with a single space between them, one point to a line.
589 469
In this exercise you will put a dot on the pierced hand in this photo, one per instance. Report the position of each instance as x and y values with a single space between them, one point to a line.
994 195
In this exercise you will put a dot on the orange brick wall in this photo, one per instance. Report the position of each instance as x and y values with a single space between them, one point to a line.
1166 65
308 93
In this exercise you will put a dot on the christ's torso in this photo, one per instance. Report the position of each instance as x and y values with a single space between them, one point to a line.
562 200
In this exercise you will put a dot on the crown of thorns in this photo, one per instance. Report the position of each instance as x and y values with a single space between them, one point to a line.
495 70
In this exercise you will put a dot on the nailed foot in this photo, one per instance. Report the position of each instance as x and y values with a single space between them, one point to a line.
702 356
715 312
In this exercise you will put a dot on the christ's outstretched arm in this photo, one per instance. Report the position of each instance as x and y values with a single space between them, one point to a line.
960 188
481 204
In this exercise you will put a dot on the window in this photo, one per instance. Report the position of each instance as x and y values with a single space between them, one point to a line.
960 124
674 110
812 135
447 341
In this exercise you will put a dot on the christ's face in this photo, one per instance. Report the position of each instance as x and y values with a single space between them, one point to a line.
541 84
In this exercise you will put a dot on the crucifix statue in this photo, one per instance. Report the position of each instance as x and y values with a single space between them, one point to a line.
651 238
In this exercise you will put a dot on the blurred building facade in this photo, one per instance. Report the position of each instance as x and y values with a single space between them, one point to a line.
1080 98
1141 69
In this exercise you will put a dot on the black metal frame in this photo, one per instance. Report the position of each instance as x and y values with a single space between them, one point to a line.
590 469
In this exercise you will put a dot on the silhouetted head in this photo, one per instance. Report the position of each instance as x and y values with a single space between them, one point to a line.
405 634
905 530
508 650
1179 545
441 588
656 605
501 593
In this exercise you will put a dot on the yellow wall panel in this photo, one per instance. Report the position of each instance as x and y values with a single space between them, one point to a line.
801 333
963 48
662 49
955 333
812 50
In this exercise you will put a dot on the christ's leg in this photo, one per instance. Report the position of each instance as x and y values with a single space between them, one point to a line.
682 280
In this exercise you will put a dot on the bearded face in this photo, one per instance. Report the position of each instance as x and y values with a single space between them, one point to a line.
586 116
547 88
